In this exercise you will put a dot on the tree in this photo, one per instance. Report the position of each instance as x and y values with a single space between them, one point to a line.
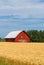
36 36
2 40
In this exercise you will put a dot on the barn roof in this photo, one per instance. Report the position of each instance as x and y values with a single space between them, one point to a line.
13 34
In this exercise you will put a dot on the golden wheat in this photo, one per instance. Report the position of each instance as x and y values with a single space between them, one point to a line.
23 53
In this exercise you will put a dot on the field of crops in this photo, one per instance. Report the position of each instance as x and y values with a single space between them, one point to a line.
22 53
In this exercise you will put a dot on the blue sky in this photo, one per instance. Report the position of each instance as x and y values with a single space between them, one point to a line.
21 15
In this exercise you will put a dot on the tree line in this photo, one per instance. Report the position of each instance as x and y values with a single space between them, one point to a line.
36 36
2 40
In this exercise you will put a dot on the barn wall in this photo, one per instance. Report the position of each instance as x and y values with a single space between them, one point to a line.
22 37
10 39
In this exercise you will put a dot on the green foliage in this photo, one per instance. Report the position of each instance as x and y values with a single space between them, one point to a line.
36 36
2 40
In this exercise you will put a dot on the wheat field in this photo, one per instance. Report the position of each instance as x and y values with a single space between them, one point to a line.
23 52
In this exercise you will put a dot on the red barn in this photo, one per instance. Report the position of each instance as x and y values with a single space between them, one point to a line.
17 36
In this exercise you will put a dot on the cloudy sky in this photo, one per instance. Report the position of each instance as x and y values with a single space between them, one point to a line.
21 15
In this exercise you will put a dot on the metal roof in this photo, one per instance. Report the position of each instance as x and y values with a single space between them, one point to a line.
13 34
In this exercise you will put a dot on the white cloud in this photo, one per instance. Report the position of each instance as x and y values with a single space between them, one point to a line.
24 8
